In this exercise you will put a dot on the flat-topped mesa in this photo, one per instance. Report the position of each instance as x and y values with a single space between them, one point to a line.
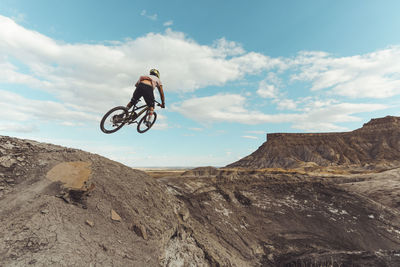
381 124
377 142
271 136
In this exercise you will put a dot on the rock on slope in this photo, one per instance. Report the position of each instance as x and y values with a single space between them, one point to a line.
66 207
376 143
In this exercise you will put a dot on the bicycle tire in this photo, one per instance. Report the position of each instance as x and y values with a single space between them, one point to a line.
146 128
122 110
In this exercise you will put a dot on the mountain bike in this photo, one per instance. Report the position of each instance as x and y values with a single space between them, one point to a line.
117 117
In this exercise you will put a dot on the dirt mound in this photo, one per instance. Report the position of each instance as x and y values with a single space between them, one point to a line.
377 143
67 207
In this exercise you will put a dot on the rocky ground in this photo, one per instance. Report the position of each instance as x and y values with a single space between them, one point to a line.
288 218
66 207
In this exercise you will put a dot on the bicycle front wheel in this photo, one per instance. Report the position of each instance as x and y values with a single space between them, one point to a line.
114 119
144 125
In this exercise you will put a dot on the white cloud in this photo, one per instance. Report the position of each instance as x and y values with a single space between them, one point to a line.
160 126
313 126
16 127
161 123
287 104
311 116
9 74
196 129
20 109
249 137
226 108
19 17
104 73
324 116
372 75
228 48
256 132
88 79
123 153
72 124
152 17
269 87
168 23
266 90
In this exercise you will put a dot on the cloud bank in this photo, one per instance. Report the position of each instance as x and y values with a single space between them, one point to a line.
314 116
373 75
83 77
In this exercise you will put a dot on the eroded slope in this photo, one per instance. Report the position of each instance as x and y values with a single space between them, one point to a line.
271 219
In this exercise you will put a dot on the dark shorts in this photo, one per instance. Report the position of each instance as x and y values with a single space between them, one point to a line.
146 91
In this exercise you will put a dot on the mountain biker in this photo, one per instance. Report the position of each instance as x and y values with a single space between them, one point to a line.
145 88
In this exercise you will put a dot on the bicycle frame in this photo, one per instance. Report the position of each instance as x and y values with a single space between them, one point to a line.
144 108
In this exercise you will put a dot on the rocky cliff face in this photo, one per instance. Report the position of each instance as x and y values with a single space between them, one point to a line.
376 143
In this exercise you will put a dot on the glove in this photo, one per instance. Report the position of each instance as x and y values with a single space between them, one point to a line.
163 105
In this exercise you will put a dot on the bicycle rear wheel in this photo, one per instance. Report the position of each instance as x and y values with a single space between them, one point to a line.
143 125
114 119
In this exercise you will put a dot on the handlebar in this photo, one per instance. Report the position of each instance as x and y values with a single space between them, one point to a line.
158 103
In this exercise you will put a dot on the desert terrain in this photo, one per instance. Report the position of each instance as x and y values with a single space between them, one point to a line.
299 200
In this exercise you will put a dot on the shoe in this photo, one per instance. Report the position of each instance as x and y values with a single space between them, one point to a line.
147 123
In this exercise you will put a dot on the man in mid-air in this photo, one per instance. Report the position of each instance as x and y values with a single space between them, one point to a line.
145 87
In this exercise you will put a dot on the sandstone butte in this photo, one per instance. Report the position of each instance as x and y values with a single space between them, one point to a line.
375 144
322 199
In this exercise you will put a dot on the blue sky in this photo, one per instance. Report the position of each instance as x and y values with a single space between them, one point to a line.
232 71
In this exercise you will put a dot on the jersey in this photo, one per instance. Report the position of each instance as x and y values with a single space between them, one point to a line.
155 81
